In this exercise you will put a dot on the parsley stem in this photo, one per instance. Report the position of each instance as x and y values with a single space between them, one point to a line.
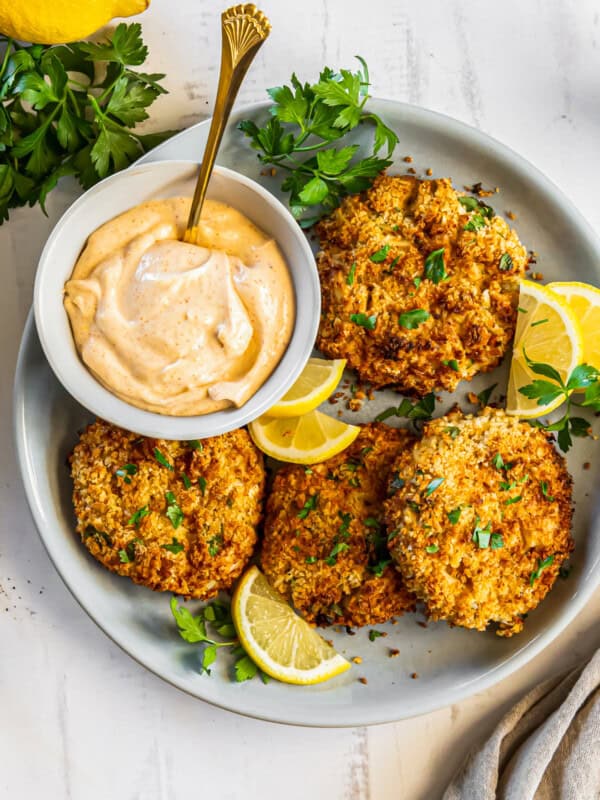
9 44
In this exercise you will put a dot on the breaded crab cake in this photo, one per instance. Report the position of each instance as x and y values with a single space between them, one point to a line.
173 516
324 546
420 286
480 519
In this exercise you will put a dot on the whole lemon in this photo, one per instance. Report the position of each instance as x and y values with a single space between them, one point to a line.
61 21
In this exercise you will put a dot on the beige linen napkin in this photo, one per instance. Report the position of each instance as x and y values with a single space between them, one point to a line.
547 747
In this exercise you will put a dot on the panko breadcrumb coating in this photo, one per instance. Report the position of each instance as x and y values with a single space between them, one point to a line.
372 263
324 545
173 516
480 521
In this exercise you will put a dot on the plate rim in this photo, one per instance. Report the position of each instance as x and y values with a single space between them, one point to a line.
491 677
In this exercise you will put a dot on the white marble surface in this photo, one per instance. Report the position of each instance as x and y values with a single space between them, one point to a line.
79 718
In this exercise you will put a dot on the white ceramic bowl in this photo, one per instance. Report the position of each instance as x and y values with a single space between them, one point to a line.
116 195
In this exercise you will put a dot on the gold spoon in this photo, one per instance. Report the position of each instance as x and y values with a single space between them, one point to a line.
243 30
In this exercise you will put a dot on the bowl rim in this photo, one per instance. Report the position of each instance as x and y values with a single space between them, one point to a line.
84 387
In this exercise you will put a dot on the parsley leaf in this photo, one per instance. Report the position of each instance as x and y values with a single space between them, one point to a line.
351 273
162 459
412 319
136 518
308 506
381 254
435 267
541 566
433 485
175 546
173 512
364 321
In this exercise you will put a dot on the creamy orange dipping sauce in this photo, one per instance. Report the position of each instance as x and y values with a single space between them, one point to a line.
176 328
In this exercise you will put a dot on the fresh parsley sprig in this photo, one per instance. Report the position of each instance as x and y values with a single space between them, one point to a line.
584 378
306 119
58 118
194 629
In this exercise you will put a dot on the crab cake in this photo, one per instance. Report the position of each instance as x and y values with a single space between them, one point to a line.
419 285
173 516
480 519
324 545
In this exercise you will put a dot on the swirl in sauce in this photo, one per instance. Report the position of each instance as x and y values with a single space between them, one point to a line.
175 328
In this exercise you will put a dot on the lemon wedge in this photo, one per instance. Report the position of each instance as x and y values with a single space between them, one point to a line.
308 439
63 21
584 301
548 331
316 382
277 639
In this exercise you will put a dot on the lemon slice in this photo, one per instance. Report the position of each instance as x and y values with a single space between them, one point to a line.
316 382
548 331
276 638
584 301
308 439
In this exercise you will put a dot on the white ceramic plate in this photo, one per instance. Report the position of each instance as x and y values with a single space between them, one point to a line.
451 663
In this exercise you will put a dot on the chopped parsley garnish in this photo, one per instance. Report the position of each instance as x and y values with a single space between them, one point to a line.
506 263
539 322
126 471
344 528
195 444
544 488
162 460
99 537
509 501
175 546
136 518
309 506
482 536
396 483
364 321
310 559
381 254
412 319
379 568
498 461
202 485
215 543
432 548
351 273
338 547
423 409
186 481
496 541
452 431
454 515
452 363
373 634
435 268
485 394
433 485
541 566
173 512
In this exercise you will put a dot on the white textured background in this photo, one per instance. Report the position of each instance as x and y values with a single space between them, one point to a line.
78 718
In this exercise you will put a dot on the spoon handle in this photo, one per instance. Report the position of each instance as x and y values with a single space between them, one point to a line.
243 30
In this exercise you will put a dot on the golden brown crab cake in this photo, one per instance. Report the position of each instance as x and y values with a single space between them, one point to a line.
173 516
397 313
479 520
324 545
